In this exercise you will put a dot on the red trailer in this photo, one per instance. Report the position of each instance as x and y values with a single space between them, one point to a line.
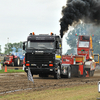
83 63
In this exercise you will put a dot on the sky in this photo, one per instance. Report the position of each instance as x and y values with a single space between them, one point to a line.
18 18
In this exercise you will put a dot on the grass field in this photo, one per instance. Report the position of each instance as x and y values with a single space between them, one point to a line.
84 92
11 71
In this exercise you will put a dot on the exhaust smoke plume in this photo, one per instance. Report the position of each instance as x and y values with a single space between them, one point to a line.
87 11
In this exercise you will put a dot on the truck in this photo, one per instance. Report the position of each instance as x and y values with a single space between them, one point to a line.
11 60
44 57
82 64
43 54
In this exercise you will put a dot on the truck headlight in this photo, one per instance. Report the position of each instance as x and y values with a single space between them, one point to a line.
50 61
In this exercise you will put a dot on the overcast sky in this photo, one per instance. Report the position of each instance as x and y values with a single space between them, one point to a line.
18 18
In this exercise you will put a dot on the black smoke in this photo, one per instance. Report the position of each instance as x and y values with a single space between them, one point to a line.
88 11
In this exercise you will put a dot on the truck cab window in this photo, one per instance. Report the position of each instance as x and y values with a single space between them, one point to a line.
83 44
40 45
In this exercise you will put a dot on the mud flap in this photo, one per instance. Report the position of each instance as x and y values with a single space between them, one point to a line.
75 70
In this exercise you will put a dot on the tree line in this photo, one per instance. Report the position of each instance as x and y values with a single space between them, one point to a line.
9 47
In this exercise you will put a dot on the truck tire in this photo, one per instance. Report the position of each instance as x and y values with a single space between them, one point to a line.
92 73
17 61
69 72
63 76
57 73
3 64
4 61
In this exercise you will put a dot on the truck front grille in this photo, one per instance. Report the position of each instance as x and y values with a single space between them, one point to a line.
39 59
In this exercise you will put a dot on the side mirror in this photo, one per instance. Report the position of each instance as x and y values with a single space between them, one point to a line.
57 45
23 45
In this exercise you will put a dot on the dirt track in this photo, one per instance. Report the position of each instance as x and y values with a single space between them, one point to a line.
11 82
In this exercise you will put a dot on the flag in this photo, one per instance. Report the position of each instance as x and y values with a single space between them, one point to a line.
30 78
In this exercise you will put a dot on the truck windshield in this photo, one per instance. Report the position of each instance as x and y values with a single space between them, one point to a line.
40 45
83 44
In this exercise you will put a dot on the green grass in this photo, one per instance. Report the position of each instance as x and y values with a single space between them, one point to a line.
85 92
11 71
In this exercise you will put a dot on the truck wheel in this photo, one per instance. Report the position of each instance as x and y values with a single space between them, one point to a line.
92 73
69 73
17 61
40 75
62 76
57 74
3 64
84 73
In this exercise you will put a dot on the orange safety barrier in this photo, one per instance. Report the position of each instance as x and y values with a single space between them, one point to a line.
5 68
